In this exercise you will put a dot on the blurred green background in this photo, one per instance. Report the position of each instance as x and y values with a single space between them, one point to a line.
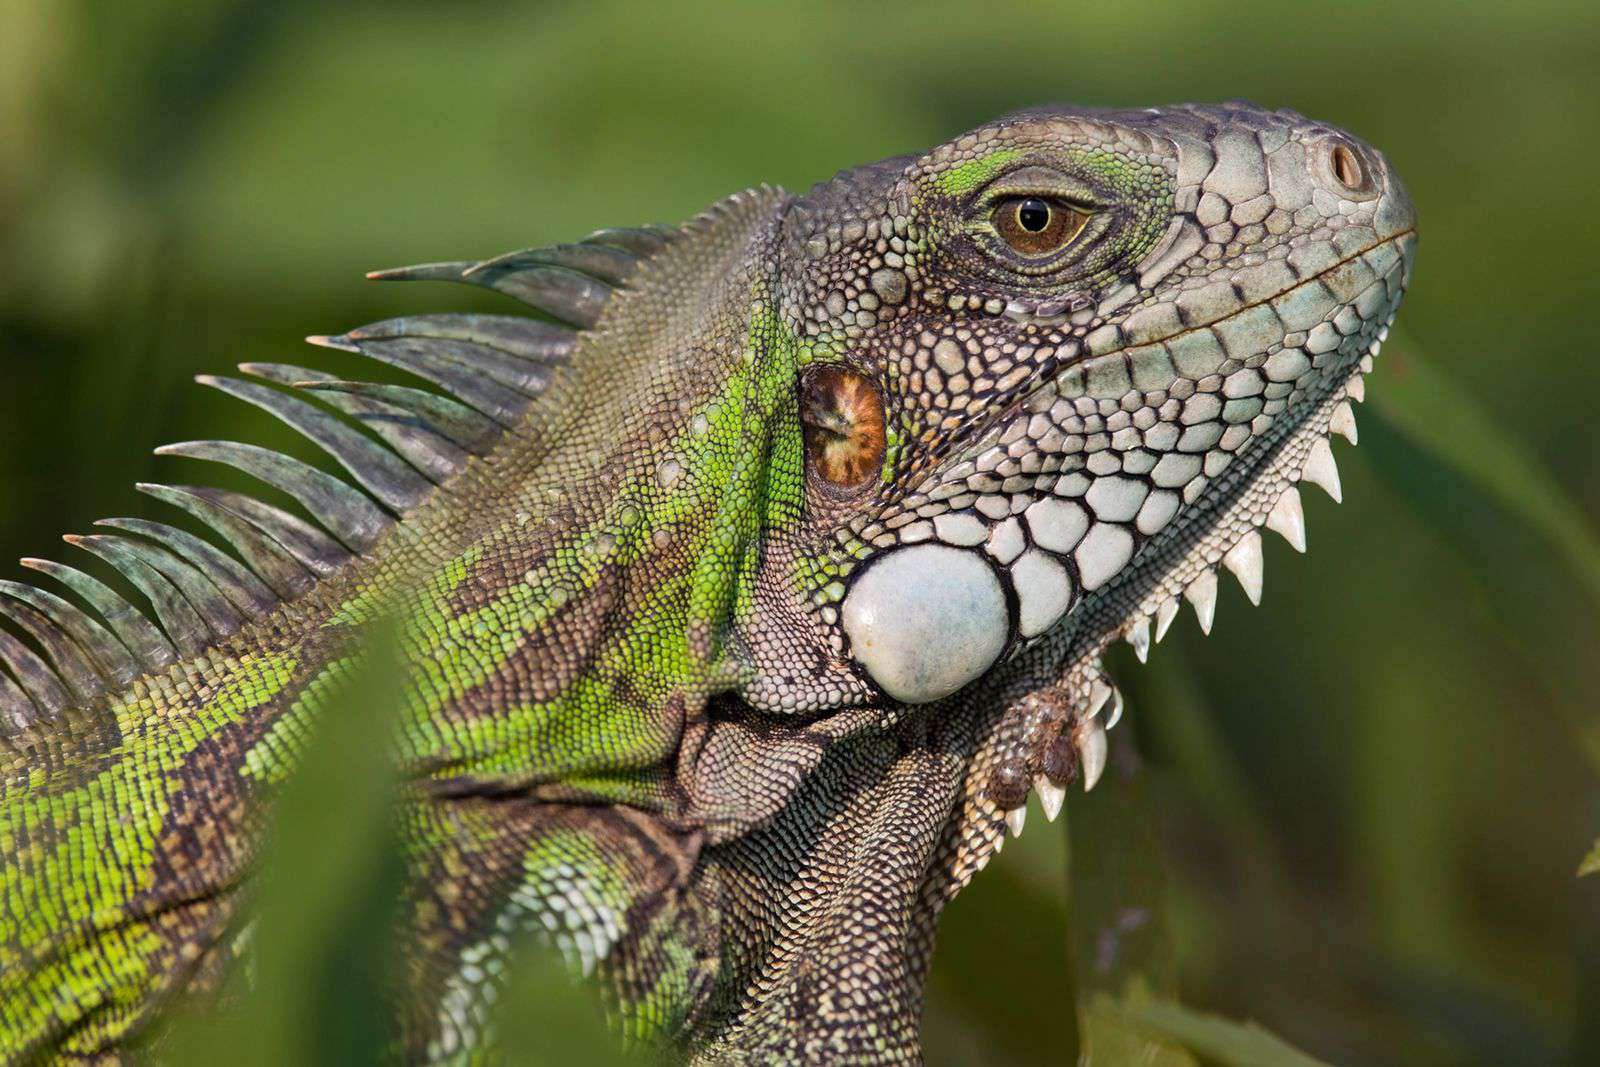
1366 800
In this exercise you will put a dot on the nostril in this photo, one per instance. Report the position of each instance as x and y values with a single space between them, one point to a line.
1346 167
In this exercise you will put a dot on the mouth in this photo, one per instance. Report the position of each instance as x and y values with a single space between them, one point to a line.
1222 528
1122 482
1258 487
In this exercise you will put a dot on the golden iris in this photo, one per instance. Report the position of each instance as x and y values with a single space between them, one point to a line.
1036 225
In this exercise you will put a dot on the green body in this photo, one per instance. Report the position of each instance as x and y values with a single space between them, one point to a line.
637 711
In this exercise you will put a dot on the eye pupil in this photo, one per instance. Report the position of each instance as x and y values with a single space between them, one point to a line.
1033 215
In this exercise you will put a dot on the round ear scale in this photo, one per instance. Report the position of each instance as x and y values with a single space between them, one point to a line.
926 619
841 412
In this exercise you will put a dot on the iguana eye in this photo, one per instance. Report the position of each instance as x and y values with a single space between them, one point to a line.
841 414
1036 226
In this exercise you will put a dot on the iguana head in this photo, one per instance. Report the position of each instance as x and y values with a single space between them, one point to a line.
1055 370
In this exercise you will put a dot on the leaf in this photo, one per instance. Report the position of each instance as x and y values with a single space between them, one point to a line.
321 963
323 960
1219 1040
1480 489
977 1012
1591 862
546 1016
1112 1037
1428 408
1118 884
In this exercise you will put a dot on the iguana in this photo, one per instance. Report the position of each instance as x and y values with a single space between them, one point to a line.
747 584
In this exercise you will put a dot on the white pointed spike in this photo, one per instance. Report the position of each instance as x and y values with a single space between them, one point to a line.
1202 593
1343 421
1099 693
1051 796
1000 844
1164 616
1289 519
1322 471
1116 710
1139 638
1092 752
983 861
1015 819
1366 362
1355 387
1245 561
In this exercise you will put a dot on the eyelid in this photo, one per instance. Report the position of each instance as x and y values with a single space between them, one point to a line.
1045 184
1075 201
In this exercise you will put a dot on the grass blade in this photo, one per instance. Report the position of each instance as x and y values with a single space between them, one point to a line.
1433 413
1122 953
1219 1041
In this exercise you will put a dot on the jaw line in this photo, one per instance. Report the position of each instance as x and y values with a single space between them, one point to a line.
1285 455
1299 452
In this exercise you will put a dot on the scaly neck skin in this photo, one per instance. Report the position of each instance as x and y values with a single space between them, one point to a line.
631 552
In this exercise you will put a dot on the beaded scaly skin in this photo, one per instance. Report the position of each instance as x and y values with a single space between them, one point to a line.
744 591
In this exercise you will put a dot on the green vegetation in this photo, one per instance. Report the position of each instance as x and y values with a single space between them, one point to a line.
1348 821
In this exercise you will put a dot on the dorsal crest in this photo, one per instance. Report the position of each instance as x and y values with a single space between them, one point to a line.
479 374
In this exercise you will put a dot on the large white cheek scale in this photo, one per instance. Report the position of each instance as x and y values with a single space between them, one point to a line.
925 620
